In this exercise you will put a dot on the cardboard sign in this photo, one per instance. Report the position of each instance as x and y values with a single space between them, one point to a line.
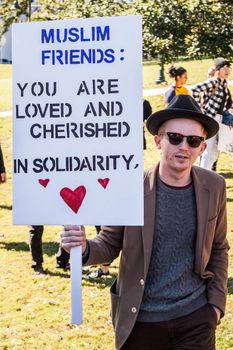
77 122
225 139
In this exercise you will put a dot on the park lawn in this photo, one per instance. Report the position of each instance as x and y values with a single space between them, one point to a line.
197 72
35 312
5 87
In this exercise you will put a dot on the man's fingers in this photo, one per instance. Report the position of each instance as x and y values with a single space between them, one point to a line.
68 246
72 233
73 236
72 239
72 227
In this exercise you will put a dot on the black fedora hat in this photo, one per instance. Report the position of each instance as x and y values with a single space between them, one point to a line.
182 106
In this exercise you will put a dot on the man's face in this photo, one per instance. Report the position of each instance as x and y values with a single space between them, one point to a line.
181 157
224 72
182 79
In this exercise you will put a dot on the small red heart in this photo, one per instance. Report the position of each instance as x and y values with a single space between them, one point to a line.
104 182
44 182
74 198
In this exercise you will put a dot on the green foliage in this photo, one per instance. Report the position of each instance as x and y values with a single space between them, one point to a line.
164 27
79 9
171 28
191 29
212 30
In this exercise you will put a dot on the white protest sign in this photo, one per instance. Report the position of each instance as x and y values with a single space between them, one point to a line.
77 122
77 126
225 139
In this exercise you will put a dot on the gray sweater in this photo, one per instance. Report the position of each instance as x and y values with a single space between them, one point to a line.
172 287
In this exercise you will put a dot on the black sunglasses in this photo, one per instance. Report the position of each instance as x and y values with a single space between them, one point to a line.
176 138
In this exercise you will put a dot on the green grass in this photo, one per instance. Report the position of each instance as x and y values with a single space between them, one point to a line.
35 312
5 87
197 71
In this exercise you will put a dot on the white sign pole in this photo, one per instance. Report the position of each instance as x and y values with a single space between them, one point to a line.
76 284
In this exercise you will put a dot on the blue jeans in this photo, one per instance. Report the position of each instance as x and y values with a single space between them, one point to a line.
227 118
210 155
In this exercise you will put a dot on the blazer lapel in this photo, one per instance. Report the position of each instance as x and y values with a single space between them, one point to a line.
149 215
202 199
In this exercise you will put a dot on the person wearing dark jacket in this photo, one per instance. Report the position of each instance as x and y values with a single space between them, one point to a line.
147 110
172 284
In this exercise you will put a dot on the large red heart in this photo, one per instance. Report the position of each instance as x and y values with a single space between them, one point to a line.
104 182
44 182
74 198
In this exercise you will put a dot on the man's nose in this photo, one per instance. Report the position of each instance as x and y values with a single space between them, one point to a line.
184 144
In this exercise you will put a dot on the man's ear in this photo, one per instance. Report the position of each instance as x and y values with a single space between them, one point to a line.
203 147
157 141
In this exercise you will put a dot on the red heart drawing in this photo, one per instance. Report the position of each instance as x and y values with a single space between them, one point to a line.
104 182
44 182
74 198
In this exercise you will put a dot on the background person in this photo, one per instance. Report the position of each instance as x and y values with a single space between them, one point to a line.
2 174
63 258
171 288
102 270
211 72
179 74
2 168
214 97
35 245
147 110
227 116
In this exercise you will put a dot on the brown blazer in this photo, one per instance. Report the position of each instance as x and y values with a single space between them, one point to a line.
211 258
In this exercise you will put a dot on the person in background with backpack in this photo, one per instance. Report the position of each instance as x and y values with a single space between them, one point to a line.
214 98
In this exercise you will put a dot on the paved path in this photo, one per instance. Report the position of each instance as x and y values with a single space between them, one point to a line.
5 114
146 92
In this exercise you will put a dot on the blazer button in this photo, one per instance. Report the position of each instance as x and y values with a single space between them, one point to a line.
134 309
142 282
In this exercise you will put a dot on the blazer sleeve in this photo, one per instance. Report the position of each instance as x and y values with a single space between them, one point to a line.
218 263
106 246
2 167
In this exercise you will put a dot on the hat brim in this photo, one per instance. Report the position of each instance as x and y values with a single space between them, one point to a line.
158 118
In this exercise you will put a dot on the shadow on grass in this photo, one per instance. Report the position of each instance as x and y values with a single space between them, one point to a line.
229 199
8 207
49 248
61 273
17 246
227 175
230 285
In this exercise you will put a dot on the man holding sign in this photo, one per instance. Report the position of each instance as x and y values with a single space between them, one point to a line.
171 288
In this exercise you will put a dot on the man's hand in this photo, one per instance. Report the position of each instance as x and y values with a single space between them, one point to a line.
73 236
3 177
218 312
